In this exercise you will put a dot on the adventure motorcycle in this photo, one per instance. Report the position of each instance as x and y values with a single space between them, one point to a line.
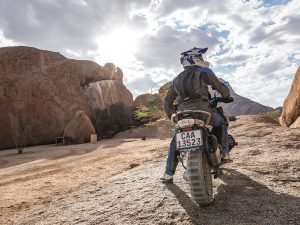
199 147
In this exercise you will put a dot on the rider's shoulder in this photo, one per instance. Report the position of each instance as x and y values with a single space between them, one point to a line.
204 70
178 75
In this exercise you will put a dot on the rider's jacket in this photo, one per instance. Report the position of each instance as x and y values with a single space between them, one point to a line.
191 88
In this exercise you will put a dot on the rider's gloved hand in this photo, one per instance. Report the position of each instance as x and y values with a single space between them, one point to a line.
228 100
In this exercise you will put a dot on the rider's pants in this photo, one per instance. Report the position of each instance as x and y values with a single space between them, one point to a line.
220 124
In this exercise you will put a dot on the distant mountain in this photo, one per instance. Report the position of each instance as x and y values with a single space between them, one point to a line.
240 106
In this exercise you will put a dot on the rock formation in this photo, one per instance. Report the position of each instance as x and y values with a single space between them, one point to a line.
240 106
296 124
79 128
163 90
40 91
149 100
112 106
291 108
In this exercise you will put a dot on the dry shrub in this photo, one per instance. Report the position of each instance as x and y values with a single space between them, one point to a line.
272 116
20 132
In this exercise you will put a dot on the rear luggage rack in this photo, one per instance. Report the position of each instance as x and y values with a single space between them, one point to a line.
191 114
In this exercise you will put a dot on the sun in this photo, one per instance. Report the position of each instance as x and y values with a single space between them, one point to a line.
118 47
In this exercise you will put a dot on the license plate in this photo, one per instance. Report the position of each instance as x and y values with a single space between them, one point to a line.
189 139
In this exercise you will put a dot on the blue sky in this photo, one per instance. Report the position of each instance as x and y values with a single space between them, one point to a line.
255 45
275 2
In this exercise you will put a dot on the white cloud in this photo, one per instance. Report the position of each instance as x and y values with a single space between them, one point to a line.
253 44
5 42
163 48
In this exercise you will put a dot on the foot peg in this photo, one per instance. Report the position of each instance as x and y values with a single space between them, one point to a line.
216 172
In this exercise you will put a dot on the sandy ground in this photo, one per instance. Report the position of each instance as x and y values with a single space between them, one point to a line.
104 184
136 197
43 174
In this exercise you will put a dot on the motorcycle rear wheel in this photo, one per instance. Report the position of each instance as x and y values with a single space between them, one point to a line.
200 178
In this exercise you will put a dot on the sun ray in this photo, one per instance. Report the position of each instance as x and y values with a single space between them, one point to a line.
118 46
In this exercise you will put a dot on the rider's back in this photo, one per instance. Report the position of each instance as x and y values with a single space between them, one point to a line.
191 86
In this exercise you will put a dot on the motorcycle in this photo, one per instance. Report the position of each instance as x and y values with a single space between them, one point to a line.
199 147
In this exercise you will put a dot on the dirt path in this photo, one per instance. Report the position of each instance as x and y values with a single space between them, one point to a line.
43 174
261 186
136 197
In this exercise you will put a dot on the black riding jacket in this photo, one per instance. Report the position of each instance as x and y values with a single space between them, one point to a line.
191 88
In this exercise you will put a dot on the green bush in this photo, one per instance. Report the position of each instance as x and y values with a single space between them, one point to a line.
152 124
147 115
142 113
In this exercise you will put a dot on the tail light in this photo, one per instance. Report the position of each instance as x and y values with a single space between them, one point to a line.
187 129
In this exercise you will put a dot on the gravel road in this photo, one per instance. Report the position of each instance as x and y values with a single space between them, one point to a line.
137 197
260 187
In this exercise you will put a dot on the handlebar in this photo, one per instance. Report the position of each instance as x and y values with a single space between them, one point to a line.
214 101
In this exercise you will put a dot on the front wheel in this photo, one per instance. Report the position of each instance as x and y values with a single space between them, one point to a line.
200 178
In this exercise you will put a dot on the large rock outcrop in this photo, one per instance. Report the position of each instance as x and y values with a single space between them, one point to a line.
79 128
40 91
163 90
290 116
149 100
240 106
296 124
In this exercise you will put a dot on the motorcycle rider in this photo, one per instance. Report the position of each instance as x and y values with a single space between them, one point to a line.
191 89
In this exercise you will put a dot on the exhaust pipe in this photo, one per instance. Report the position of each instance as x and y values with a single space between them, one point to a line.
213 150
